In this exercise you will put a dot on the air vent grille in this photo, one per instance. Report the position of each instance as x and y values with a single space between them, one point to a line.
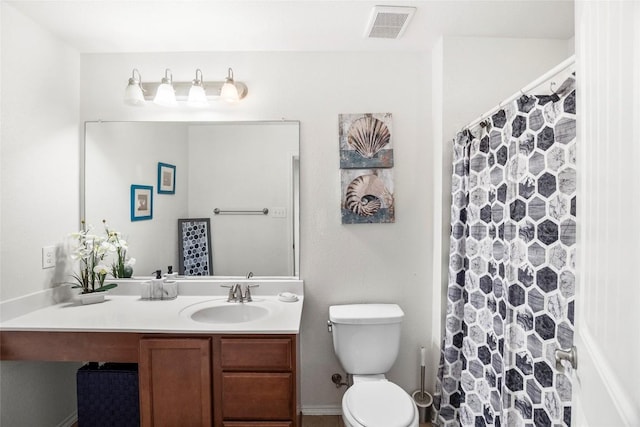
389 22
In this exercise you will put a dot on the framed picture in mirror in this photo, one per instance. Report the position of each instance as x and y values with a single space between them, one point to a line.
194 247
141 202
166 178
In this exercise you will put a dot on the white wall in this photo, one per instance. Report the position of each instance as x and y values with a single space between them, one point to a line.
39 201
608 292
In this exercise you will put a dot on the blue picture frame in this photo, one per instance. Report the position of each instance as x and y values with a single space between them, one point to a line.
166 178
141 202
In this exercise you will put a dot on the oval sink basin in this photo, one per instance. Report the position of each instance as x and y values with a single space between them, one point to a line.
230 313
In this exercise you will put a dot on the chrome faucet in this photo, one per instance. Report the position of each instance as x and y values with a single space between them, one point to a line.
236 293
233 292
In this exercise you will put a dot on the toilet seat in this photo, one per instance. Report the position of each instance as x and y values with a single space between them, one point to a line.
378 404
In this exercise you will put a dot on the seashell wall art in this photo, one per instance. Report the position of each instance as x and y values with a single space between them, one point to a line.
367 196
365 141
366 162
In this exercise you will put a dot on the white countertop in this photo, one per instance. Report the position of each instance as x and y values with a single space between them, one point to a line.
125 311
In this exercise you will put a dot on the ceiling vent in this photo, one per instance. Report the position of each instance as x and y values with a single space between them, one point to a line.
389 22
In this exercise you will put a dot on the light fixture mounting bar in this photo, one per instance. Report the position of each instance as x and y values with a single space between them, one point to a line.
212 89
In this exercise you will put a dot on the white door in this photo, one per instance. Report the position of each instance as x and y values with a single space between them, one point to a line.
606 387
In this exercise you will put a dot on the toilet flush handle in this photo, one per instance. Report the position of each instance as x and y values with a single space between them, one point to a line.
329 326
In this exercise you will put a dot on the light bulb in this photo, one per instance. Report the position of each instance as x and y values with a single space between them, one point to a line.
133 93
165 95
229 91
197 95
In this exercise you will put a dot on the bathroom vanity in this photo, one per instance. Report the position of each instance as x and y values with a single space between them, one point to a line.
242 373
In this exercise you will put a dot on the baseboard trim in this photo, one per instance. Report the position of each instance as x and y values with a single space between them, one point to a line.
321 410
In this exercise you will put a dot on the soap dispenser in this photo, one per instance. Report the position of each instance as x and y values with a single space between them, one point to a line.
170 274
157 288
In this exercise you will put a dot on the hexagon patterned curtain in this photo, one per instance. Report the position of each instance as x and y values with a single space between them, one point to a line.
511 267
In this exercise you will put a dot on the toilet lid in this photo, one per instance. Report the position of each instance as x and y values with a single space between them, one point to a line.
379 404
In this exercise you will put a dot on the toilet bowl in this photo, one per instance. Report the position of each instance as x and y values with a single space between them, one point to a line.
378 403
366 339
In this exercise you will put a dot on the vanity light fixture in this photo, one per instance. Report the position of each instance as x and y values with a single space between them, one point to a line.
133 94
197 95
229 91
165 94
193 93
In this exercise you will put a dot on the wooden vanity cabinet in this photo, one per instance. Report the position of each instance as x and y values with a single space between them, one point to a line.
204 380
218 380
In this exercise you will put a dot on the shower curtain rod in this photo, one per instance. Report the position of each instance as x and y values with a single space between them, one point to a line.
540 80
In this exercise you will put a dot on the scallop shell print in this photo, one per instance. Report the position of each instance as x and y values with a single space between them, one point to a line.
366 194
368 135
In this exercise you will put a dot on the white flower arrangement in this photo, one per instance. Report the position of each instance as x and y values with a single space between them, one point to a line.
90 251
122 267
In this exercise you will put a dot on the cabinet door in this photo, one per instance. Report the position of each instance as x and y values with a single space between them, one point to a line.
257 396
175 382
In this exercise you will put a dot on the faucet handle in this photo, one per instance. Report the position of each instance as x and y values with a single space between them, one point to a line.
232 289
247 292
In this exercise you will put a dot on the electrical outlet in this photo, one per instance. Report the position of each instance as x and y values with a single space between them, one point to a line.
279 212
48 257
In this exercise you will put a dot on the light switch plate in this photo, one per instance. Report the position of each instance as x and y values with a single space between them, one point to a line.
279 212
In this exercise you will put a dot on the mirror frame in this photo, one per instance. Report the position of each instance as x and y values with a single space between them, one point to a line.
296 198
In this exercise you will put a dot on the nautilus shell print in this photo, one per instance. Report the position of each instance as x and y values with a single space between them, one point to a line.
365 141
366 194
368 135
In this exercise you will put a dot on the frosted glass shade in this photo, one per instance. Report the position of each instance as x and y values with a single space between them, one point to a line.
165 96
133 95
197 97
229 92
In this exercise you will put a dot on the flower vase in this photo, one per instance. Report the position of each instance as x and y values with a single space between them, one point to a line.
128 272
91 297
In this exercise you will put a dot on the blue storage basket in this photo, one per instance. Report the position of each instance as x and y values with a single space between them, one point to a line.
108 395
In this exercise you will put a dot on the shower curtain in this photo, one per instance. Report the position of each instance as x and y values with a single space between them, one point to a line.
510 298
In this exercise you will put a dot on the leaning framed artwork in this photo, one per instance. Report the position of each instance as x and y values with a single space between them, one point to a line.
166 178
141 202
194 247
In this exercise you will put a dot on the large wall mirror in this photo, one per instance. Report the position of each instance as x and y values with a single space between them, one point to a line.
246 171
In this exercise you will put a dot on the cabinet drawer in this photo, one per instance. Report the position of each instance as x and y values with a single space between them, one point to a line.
256 354
257 396
257 424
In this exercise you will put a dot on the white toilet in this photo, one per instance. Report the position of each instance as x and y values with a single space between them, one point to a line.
366 339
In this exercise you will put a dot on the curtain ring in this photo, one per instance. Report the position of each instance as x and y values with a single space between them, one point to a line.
524 95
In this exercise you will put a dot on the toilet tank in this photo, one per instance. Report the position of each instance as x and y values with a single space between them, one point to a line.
366 337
